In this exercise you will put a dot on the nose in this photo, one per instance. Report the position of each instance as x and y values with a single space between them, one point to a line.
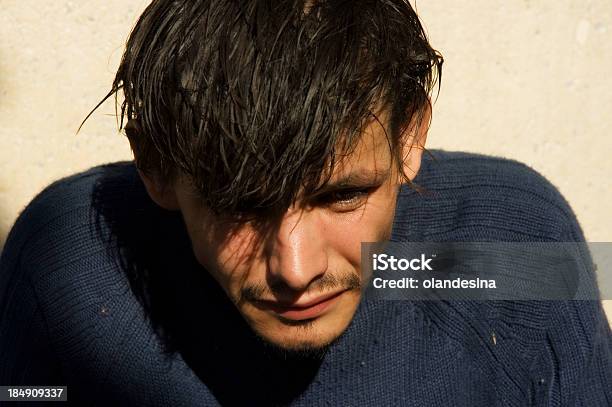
297 252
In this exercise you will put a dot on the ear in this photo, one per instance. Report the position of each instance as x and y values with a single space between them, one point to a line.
414 144
161 192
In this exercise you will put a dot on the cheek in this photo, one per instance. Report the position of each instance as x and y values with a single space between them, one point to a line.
345 232
227 256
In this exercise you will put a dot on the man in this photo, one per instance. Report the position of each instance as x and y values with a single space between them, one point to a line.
271 139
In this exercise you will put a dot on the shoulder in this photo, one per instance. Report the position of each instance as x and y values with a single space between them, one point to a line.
57 244
61 216
476 197
470 197
59 267
57 247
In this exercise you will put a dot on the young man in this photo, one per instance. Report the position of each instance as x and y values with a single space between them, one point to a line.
223 266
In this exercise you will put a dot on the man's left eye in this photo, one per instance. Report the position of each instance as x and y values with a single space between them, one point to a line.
345 200
348 196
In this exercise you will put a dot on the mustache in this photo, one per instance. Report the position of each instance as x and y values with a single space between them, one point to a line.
327 282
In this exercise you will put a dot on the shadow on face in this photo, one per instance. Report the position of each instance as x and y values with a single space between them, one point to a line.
189 312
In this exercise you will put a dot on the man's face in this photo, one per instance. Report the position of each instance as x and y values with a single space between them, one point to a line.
298 285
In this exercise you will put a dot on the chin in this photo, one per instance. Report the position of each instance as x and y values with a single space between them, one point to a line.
307 340
310 336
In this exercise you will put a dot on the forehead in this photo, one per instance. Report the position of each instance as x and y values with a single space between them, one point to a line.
370 155
367 162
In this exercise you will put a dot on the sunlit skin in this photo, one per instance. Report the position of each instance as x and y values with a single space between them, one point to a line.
298 285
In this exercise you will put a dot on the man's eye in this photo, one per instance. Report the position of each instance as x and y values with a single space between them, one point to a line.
345 200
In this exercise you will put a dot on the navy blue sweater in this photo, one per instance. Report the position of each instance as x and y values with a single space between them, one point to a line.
99 291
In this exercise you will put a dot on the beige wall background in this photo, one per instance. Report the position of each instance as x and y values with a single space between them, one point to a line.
522 79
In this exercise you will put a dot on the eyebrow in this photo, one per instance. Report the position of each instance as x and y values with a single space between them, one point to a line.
359 179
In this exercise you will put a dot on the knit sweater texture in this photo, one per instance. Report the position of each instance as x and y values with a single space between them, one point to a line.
100 292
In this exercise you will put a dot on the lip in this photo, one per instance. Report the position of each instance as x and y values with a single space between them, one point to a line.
310 309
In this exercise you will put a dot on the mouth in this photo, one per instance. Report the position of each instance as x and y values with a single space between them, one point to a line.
299 311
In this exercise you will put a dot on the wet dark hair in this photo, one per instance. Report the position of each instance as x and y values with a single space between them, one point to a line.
256 100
